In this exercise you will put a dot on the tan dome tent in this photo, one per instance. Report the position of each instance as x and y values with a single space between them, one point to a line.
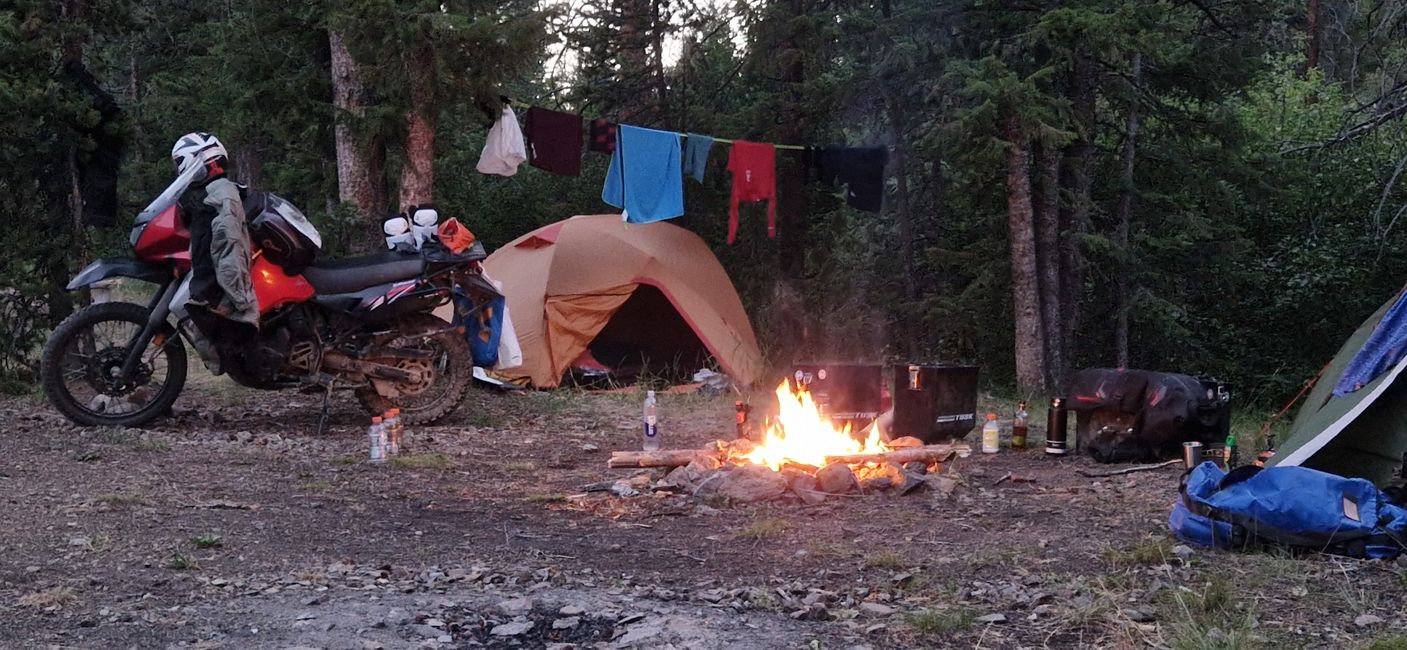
593 282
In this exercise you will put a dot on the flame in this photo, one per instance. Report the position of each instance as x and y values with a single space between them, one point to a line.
801 434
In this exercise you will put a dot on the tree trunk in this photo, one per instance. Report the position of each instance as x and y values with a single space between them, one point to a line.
898 129
361 157
249 166
1121 232
1030 341
417 164
1311 52
1047 217
1079 165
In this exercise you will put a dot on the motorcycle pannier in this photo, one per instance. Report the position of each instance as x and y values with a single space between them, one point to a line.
281 231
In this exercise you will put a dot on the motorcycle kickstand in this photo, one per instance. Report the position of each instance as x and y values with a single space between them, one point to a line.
326 410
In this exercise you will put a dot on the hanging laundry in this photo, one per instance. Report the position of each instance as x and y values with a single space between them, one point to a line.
645 178
602 136
554 141
754 168
696 154
860 170
503 149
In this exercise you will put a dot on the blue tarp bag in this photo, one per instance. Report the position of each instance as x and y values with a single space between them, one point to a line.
1288 506
483 326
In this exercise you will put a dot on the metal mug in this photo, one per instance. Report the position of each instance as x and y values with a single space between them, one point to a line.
1191 454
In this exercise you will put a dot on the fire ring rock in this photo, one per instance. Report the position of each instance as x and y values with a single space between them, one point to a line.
836 478
745 484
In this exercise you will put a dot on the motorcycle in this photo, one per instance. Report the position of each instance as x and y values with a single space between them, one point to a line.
363 323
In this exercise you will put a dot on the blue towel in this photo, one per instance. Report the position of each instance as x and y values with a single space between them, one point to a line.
696 154
645 178
1383 349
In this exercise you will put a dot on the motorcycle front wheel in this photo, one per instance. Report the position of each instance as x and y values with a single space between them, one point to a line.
82 366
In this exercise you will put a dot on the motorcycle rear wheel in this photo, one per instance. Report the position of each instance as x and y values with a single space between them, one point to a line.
453 369
83 357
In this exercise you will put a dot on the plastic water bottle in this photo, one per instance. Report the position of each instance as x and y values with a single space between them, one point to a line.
1018 426
1231 460
377 433
991 435
393 432
651 440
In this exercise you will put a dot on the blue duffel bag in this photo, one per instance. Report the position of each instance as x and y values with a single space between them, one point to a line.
1294 507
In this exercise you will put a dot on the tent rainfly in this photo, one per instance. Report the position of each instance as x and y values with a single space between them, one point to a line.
1354 421
593 280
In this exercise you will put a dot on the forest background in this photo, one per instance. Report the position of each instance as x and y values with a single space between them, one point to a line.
1211 188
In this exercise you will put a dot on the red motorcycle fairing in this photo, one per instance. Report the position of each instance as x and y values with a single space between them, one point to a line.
273 288
165 239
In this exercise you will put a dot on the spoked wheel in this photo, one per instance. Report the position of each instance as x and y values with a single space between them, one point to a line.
81 369
437 383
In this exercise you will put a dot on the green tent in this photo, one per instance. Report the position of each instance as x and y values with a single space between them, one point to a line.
1362 433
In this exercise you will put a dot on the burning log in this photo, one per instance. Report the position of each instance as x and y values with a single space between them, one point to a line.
678 457
924 454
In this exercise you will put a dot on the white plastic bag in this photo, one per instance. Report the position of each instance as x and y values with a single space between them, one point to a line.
504 149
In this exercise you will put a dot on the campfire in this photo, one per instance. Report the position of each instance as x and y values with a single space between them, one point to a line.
801 452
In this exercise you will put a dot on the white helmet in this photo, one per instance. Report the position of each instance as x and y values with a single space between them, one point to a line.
194 149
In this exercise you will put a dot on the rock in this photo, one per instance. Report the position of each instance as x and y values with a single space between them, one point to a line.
588 447
704 464
992 618
516 606
904 442
876 609
803 485
637 637
1183 552
916 467
511 629
242 437
912 482
444 638
571 610
836 478
1141 615
1367 620
881 477
745 484
566 623
942 486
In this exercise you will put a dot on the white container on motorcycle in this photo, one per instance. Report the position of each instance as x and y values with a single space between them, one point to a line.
398 233
423 225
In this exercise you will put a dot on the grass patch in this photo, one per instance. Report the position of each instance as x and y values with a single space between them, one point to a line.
182 562
121 499
1394 641
1207 618
88 457
521 466
51 597
939 623
484 420
546 498
349 459
208 540
1149 551
885 560
765 529
151 445
422 461
316 486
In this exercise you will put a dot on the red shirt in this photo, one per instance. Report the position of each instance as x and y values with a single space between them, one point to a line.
754 169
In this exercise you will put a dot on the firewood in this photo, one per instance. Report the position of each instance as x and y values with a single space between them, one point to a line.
677 457
926 453
658 458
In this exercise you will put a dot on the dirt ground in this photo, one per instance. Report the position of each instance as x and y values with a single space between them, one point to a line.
233 524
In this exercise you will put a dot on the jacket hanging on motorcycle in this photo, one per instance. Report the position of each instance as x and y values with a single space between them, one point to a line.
220 255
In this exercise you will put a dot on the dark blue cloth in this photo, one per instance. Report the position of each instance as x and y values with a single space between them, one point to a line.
1289 506
1383 349
696 154
645 178
483 326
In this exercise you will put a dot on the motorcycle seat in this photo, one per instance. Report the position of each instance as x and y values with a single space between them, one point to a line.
357 273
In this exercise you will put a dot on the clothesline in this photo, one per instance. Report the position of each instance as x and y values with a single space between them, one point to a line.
789 147
645 176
